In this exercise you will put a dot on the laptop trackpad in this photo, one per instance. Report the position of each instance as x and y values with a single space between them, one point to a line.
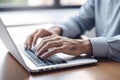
71 57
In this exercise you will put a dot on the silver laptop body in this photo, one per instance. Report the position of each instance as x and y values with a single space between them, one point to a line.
23 57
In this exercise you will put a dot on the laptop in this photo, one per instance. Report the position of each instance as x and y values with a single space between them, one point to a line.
32 63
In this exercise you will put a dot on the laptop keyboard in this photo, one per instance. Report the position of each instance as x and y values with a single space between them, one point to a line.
38 61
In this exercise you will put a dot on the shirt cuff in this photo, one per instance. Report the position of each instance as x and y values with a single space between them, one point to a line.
99 46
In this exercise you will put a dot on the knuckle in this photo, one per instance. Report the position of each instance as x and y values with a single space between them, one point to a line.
56 50
61 40
54 34
58 43
44 38
58 37
64 47
36 35
49 44
43 30
44 41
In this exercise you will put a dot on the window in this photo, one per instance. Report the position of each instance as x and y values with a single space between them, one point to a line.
40 2
29 4
72 2
26 2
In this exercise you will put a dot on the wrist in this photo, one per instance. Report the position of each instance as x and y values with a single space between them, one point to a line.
88 47
56 30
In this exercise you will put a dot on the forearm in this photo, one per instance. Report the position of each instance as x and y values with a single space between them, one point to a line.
81 22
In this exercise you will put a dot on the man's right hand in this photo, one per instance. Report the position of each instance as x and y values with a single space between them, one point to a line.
39 33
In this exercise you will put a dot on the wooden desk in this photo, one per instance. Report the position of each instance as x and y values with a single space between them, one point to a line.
10 69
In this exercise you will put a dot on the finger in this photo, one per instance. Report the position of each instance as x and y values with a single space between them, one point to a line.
50 36
48 46
45 41
53 51
28 41
35 38
41 33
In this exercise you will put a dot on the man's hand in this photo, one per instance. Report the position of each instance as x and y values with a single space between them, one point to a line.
55 44
39 33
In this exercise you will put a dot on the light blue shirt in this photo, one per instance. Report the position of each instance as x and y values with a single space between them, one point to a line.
104 15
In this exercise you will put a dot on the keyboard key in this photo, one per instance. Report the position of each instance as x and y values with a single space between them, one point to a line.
56 59
34 59
38 61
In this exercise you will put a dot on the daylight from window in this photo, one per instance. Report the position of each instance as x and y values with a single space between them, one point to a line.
72 2
39 2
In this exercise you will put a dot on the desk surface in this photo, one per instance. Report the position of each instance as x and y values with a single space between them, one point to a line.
10 69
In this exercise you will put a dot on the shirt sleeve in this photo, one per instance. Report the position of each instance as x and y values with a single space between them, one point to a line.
106 47
81 22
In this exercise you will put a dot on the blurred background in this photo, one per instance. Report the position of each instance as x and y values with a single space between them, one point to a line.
16 13
41 2
25 12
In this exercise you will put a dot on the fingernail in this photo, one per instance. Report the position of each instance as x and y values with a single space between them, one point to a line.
37 54
42 56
